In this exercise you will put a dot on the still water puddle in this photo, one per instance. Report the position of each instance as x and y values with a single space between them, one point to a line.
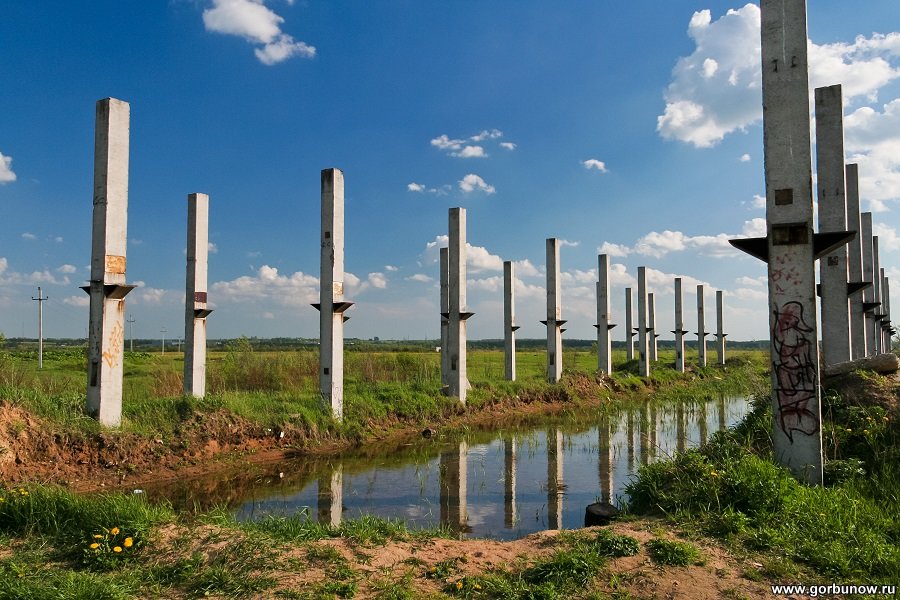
502 484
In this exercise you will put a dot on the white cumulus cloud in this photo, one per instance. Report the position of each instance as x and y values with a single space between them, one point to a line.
887 236
478 258
493 134
472 146
472 182
872 140
614 249
421 278
6 172
471 152
593 163
717 89
703 104
81 301
377 280
660 243
298 289
258 24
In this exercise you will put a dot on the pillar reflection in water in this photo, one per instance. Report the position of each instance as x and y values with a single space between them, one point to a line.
701 422
629 432
654 424
606 460
722 426
645 442
510 514
331 496
680 429
555 483
453 469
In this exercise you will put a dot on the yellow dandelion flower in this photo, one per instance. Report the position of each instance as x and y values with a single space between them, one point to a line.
477 587
114 531
97 536
459 585
117 549
128 542
865 431
94 546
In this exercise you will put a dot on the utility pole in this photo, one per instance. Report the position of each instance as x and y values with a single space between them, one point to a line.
163 331
130 321
40 300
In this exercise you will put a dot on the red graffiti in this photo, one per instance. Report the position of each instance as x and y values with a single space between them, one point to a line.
795 371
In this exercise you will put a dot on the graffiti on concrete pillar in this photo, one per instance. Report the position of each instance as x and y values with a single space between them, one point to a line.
115 343
795 371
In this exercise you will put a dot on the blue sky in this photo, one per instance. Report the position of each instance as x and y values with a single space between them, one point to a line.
633 129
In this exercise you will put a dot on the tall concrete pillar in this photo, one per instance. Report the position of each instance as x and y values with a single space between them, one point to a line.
195 301
604 317
701 328
330 500
106 326
555 482
453 488
331 305
459 382
509 320
886 312
679 326
643 329
510 510
606 459
445 317
554 321
868 267
651 325
856 283
879 310
833 268
791 247
720 328
889 330
629 326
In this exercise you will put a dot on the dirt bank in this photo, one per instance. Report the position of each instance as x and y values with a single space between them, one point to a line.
34 450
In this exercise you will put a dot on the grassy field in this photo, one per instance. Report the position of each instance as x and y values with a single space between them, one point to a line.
54 544
274 387
847 531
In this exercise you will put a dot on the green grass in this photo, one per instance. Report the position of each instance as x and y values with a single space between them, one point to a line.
275 389
731 487
575 566
673 553
46 531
